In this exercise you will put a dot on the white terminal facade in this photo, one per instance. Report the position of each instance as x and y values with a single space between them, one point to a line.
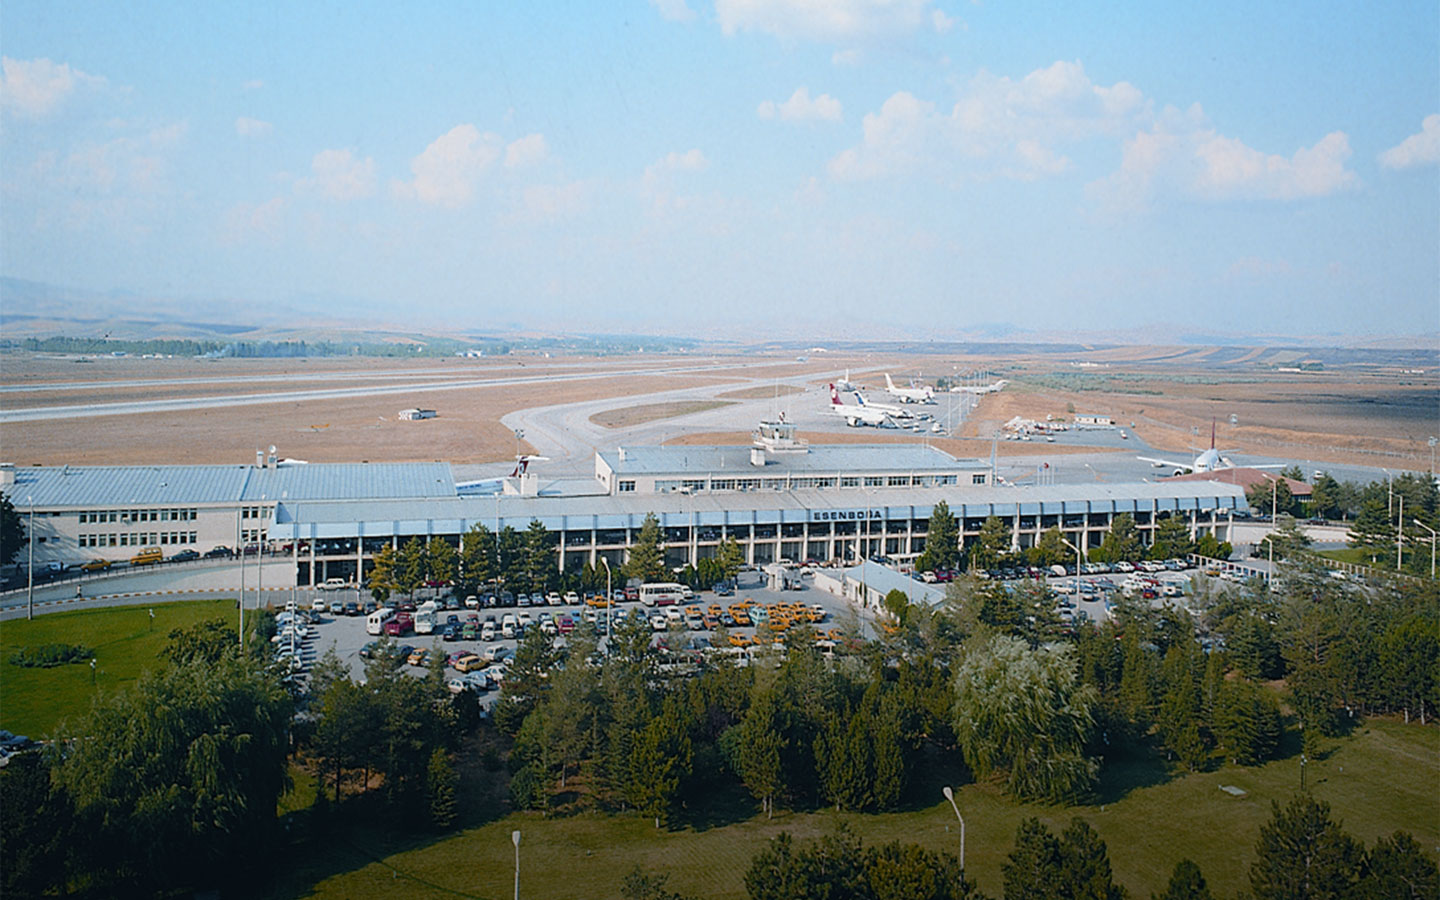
780 498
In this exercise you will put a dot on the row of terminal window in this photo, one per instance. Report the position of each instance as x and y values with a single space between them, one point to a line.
127 516
781 484
163 538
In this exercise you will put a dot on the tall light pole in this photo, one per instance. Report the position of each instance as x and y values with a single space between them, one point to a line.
1270 540
1400 532
1077 567
1432 442
609 602
515 839
30 566
1432 544
950 795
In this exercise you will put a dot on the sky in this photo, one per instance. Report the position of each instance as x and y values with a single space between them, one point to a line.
737 168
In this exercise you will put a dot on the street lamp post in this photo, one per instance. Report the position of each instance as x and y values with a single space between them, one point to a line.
1078 558
30 566
515 839
950 795
609 602
1432 544
1400 532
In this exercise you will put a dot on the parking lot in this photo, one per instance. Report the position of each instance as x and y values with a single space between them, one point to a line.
347 635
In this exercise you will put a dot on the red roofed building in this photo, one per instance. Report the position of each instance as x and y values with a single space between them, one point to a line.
1247 478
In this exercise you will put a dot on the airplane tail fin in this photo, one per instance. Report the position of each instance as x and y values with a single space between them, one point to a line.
888 383
858 399
834 396
1212 432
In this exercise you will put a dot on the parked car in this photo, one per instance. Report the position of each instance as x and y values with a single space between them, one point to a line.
185 556
218 552
96 565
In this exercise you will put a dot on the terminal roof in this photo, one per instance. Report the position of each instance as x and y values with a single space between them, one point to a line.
451 516
87 487
821 458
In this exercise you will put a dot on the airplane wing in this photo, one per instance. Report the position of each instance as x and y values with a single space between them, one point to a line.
1159 463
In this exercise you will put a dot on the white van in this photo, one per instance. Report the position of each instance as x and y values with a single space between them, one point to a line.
508 625
375 622
487 631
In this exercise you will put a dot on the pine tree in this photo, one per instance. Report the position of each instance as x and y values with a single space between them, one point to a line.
729 557
410 566
440 783
761 745
1247 722
382 580
942 540
1033 870
990 545
477 557
442 564
1186 883
1372 529
1085 864
1304 855
1398 869
1172 539
540 559
646 561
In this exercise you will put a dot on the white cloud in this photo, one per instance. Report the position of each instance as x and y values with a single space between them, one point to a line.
998 127
551 202
246 220
252 128
673 10
850 57
339 175
825 20
253 84
35 88
1183 155
1417 149
801 108
689 161
941 22
526 151
447 172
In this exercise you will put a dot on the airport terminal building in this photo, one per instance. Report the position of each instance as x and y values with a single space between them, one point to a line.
779 498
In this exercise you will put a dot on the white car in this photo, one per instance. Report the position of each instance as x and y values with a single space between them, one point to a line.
472 602
554 599
319 606
659 623
572 598
334 584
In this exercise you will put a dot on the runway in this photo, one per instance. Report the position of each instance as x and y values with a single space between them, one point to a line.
90 410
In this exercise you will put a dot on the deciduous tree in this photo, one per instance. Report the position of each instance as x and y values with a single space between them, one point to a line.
1022 714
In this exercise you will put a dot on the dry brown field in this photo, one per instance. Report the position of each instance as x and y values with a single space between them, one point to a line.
467 430
1360 418
629 416
762 393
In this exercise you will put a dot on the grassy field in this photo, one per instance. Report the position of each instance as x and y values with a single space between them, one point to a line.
125 641
1382 778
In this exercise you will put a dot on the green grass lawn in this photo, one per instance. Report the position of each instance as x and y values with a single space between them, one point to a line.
125 641
1382 778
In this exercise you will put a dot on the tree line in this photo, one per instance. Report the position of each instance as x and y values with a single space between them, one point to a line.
1302 853
526 561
